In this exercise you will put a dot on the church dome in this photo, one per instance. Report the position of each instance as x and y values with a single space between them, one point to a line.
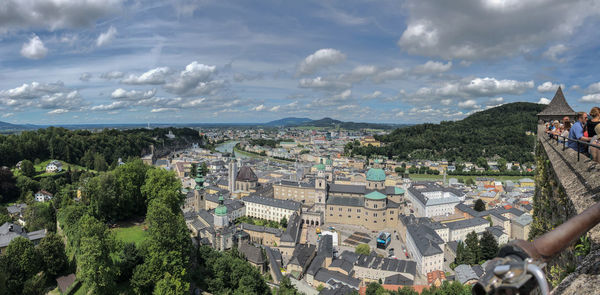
375 175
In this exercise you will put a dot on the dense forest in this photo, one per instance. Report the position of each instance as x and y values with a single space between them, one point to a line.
82 147
165 262
498 131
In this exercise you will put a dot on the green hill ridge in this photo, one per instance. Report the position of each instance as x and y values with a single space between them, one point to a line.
499 131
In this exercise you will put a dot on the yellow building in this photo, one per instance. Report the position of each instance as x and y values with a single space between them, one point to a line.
370 140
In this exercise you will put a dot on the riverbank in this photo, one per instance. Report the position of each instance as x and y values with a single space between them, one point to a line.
254 155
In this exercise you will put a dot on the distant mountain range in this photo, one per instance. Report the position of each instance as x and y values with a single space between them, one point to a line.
285 122
8 127
328 123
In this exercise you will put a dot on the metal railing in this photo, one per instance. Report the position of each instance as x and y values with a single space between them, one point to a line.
566 139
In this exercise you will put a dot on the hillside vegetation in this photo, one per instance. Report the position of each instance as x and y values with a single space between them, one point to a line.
83 147
498 131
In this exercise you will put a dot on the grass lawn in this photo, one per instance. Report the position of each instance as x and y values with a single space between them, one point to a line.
40 169
131 234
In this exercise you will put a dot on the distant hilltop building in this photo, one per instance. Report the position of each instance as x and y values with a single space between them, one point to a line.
557 109
370 140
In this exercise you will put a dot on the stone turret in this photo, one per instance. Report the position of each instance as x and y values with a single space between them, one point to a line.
221 219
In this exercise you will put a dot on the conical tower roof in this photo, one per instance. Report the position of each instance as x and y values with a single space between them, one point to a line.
558 106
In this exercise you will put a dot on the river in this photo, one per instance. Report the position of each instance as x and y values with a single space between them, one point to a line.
227 147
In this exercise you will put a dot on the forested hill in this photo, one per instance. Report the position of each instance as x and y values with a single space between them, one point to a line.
83 147
497 131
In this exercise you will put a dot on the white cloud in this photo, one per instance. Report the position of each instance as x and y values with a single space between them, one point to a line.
496 100
543 100
343 95
34 49
85 77
469 88
33 90
196 79
391 74
6 115
106 37
470 30
554 52
116 105
54 14
373 95
320 59
548 87
491 86
153 77
123 94
432 67
446 101
323 83
58 111
66 100
275 108
593 88
259 108
160 110
112 75
591 98
469 104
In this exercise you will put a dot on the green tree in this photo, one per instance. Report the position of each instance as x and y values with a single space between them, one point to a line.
472 246
101 194
488 245
362 249
26 185
19 262
129 178
502 164
27 168
100 162
158 180
470 181
283 222
460 253
479 205
407 290
52 254
286 287
129 258
172 285
8 191
95 265
40 216
374 289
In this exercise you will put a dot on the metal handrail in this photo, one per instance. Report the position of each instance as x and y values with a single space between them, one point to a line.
566 139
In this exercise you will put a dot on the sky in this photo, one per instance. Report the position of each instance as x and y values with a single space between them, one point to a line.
182 61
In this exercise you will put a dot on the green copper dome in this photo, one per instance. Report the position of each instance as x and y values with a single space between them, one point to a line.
320 167
375 195
221 210
375 175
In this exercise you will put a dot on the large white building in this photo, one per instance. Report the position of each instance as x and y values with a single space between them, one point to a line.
432 200
270 208
54 166
460 229
425 247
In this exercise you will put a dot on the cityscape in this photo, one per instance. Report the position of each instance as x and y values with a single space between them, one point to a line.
327 147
